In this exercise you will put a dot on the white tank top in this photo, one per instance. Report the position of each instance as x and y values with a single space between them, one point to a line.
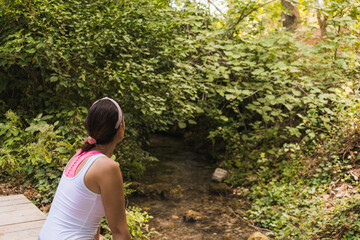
76 211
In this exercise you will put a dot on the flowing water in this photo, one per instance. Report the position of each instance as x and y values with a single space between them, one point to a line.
178 196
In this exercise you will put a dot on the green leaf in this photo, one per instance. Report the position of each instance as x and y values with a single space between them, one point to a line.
258 71
296 92
182 125
32 50
230 96
199 109
53 79
192 121
342 64
224 118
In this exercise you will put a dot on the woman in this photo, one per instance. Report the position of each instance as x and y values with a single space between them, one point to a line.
91 185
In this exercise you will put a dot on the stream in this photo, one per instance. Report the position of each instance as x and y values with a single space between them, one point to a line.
177 196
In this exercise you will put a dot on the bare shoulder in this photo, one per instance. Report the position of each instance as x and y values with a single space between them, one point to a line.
104 165
107 175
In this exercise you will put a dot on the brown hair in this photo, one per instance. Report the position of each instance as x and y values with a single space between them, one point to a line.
100 123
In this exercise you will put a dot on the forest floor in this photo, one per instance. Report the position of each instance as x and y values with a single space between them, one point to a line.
177 195
16 188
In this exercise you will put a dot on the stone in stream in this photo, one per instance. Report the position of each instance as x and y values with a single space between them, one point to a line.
159 190
258 236
219 188
192 216
219 175
174 193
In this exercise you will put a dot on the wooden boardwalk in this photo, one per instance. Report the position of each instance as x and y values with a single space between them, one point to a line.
19 218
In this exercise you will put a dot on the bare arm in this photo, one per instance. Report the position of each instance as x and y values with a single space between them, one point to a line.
112 193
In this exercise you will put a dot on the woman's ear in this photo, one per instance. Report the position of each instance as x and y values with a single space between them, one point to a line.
120 129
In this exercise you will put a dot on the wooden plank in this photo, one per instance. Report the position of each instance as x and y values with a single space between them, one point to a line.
24 226
12 197
9 202
23 215
19 218
31 234
10 208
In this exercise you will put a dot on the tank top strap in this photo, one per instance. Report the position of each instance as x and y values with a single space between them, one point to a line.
75 162
88 164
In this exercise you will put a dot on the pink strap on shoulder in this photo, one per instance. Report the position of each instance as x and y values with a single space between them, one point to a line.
76 161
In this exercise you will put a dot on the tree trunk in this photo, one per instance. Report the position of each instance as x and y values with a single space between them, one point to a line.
322 23
321 18
291 18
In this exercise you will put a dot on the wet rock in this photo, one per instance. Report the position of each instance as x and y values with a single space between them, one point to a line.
173 193
219 175
192 216
258 236
219 188
158 190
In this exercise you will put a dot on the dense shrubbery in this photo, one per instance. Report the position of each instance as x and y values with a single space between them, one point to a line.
57 57
313 194
286 111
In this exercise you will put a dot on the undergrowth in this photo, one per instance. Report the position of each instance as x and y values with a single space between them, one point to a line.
312 192
35 152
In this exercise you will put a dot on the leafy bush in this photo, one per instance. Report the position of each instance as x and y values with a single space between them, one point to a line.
87 49
311 194
283 111
24 149
38 154
137 221
58 57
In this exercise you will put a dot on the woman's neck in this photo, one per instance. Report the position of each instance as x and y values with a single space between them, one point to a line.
107 149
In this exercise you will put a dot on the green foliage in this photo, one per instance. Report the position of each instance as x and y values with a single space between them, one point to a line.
38 155
284 109
88 49
137 221
22 150
136 218
132 158
35 154
58 57
275 100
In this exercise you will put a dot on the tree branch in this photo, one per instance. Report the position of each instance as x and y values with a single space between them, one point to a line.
242 16
210 2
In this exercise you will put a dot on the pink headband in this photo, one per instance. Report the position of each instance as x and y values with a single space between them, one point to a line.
118 108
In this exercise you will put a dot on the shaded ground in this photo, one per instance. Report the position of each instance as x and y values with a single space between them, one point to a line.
15 188
208 216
